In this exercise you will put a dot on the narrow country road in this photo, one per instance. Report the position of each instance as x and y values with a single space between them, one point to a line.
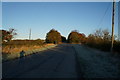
58 62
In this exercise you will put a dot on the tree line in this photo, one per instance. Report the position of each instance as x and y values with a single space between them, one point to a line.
53 36
100 39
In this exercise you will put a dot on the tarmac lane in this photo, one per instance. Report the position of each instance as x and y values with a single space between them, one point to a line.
58 62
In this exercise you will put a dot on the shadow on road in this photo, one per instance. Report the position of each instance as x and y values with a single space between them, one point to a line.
58 62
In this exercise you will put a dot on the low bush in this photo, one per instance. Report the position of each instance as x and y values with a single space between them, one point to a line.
105 46
101 39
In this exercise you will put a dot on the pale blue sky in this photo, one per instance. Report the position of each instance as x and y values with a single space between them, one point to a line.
0 15
62 16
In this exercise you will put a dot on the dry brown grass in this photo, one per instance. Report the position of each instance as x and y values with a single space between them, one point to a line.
9 50
9 53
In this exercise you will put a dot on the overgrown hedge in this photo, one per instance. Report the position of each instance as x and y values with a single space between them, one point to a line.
105 46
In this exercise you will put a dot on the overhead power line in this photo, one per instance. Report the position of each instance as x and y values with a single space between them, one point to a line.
104 15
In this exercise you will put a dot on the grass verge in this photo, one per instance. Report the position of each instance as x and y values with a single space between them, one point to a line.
97 64
10 54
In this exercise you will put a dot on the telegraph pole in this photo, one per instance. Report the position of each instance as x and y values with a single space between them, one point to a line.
113 14
30 35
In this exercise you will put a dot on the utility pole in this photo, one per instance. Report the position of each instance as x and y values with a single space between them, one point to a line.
113 14
119 21
30 35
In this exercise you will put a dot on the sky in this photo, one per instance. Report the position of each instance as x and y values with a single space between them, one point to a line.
119 20
41 17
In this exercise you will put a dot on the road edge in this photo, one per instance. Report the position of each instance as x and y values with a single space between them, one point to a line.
78 61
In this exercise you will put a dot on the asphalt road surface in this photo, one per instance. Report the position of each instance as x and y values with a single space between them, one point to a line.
58 62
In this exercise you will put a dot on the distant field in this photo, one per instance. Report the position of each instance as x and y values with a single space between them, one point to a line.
12 49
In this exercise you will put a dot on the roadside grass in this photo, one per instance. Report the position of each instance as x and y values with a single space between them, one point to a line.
97 64
12 51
